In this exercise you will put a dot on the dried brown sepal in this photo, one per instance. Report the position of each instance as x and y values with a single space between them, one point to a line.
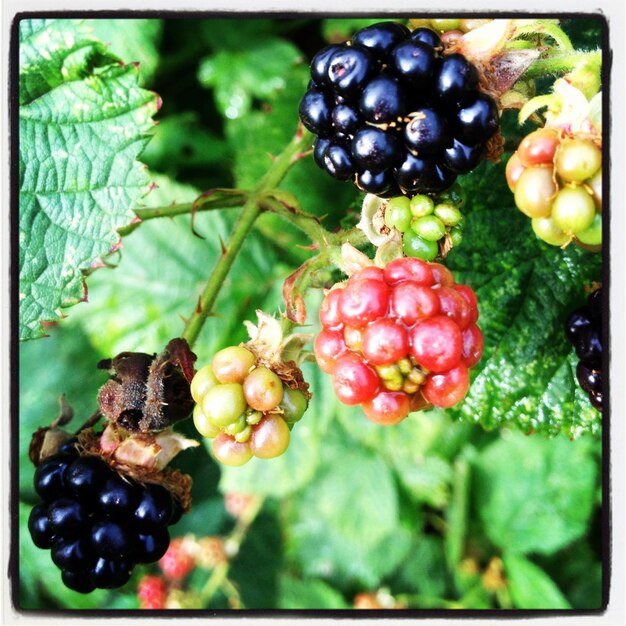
175 481
445 245
47 440
148 392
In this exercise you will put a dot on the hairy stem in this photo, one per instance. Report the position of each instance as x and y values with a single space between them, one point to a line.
251 210
562 63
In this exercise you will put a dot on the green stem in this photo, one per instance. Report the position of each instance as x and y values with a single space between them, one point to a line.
232 544
251 210
563 63
236 198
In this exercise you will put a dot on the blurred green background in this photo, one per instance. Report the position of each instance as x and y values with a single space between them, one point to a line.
436 512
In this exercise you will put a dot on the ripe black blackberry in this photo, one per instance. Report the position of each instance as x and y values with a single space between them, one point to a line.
584 330
394 114
98 525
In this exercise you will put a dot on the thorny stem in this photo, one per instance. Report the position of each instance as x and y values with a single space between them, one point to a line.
232 543
149 213
247 217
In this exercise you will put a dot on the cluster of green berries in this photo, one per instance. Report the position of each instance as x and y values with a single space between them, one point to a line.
431 225
244 406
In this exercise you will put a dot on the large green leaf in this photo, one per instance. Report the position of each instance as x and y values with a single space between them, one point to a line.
335 534
310 593
525 290
535 495
530 587
255 69
81 128
132 40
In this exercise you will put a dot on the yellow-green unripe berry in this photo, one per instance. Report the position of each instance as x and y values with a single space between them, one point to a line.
398 213
203 425
573 210
592 236
548 231
448 214
421 205
263 389
224 404
203 380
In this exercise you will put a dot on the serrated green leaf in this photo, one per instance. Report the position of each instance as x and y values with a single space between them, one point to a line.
424 572
79 177
526 290
132 40
257 69
310 593
530 587
534 495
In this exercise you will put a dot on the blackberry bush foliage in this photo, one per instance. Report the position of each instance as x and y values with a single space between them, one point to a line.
409 327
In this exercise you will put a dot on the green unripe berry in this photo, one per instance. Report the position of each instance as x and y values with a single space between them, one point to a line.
237 426
203 380
548 231
592 236
456 234
573 210
398 213
429 227
448 214
223 404
577 159
244 435
417 247
203 425
421 205
446 24
254 417
293 404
